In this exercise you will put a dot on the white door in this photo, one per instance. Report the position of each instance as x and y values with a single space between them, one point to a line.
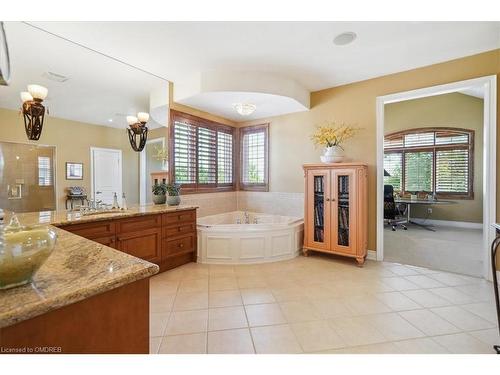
106 174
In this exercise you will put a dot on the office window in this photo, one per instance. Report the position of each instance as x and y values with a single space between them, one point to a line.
201 154
254 157
44 171
433 160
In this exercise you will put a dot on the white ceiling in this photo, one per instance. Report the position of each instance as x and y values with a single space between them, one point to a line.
221 103
302 51
98 88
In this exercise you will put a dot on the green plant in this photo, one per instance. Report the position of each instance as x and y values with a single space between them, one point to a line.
173 189
159 189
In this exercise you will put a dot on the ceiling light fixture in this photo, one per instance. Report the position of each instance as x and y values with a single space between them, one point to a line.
344 38
33 110
244 109
138 131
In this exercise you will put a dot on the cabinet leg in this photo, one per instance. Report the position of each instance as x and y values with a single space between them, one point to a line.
305 252
360 261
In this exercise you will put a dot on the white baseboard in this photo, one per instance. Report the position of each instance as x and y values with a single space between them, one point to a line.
448 223
371 255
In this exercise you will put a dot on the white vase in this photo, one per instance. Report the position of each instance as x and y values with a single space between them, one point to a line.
334 154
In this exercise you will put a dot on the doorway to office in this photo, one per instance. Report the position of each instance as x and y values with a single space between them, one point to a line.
436 176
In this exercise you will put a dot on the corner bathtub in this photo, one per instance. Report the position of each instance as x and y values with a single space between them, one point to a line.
268 238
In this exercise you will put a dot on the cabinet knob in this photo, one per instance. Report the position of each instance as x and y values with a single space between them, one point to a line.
181 245
327 199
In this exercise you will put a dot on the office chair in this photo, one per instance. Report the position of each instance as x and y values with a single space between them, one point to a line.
390 209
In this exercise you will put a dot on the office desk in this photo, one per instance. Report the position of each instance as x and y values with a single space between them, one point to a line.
410 202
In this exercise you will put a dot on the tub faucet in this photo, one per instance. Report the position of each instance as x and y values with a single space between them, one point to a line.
247 217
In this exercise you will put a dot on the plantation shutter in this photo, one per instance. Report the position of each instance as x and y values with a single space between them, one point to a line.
44 171
202 154
452 171
184 153
207 156
418 171
393 164
224 158
253 155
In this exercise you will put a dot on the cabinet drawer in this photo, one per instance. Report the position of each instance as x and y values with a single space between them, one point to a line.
107 241
145 244
178 246
138 223
179 230
173 218
92 230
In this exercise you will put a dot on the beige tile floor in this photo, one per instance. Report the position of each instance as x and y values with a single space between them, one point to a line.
320 304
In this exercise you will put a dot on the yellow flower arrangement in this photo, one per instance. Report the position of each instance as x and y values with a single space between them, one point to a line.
331 134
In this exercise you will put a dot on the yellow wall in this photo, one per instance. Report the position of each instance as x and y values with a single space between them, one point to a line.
73 141
290 146
450 110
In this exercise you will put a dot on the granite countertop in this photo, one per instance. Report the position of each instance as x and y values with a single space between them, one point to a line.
61 218
77 269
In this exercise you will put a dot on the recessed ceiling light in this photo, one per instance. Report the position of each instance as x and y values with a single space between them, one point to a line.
244 109
344 38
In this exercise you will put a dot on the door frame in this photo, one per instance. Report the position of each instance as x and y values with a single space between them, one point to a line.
142 169
119 152
489 84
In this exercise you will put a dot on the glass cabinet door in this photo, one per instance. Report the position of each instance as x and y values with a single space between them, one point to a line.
343 210
318 209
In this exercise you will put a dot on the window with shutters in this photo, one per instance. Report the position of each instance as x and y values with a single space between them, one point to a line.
44 171
254 158
433 160
201 154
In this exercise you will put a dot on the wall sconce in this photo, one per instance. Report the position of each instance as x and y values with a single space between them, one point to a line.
138 131
33 110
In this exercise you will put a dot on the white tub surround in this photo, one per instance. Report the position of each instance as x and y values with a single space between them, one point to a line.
227 239
211 203
277 203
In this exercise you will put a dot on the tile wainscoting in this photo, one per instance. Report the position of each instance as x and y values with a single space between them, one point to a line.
212 203
277 203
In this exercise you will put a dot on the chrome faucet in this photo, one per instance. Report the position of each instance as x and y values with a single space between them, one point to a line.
247 217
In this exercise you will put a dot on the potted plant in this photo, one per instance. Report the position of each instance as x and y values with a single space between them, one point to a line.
159 193
173 198
332 136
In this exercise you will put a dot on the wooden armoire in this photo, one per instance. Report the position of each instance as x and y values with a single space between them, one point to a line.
336 209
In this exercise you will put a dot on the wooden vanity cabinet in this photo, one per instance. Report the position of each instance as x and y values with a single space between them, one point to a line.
336 209
168 240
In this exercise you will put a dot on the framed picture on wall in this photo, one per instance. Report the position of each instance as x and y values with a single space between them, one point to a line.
74 171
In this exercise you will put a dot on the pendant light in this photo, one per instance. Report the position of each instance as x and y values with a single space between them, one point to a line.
33 110
138 131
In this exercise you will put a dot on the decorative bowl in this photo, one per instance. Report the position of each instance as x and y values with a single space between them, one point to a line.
331 158
23 250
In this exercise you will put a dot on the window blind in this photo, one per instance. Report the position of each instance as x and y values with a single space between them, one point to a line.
184 153
418 171
202 153
207 156
224 157
44 171
452 171
393 165
253 152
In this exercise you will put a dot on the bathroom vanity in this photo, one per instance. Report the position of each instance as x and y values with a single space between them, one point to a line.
92 293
